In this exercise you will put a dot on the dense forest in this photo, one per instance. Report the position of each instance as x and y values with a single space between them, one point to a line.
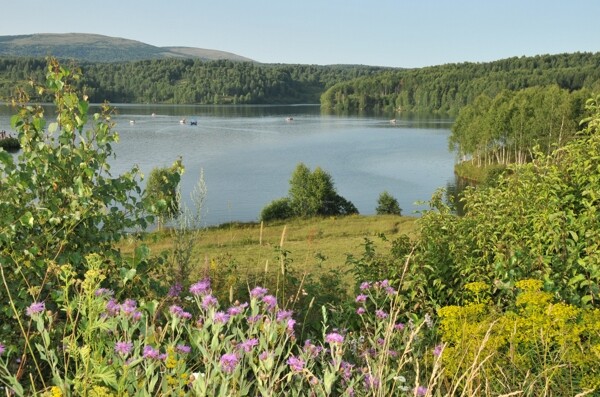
447 88
443 89
187 81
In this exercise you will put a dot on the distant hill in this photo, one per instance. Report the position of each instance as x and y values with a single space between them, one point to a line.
99 48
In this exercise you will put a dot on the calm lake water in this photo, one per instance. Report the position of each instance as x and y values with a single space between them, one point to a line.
247 153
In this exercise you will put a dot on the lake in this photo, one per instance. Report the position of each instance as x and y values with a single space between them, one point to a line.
247 153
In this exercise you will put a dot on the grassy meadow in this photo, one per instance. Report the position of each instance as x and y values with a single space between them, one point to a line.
252 246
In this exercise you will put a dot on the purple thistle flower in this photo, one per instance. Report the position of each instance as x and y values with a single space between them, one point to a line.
399 326
112 307
421 391
312 350
183 349
382 284
253 319
209 301
380 314
239 309
177 311
175 290
103 292
228 362
284 315
346 368
360 311
248 344
371 382
290 325
295 363
2 349
35 308
437 351
221 317
365 285
334 338
263 356
123 348
201 287
361 298
258 292
391 291
129 307
150 352
270 301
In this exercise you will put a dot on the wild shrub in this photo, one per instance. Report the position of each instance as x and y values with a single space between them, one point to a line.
541 347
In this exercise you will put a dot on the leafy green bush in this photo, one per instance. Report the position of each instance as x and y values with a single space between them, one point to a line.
162 190
539 220
278 209
387 205
311 194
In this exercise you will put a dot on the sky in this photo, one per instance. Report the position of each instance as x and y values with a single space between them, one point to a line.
395 33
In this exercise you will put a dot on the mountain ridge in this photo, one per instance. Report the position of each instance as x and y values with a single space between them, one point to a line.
91 47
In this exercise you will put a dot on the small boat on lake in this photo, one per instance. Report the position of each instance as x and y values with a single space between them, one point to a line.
194 122
289 119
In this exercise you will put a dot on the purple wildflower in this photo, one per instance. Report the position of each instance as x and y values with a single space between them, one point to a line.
248 344
382 284
129 307
334 338
346 369
393 353
175 290
284 315
183 349
258 292
380 314
371 382
290 324
103 292
209 301
437 351
390 291
228 362
2 349
296 364
421 391
365 285
311 350
123 348
360 311
399 326
221 317
201 287
239 309
150 352
35 308
270 301
361 298
253 319
112 307
263 356
177 311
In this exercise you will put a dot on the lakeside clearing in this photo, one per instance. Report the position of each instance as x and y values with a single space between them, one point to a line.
249 249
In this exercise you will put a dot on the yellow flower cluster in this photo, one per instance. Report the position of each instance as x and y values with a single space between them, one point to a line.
539 337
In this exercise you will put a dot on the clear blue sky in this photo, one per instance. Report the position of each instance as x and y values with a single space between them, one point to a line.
398 33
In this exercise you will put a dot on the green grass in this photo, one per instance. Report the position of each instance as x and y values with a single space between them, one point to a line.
254 248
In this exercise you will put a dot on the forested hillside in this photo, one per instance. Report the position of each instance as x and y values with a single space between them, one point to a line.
447 88
187 81
443 89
